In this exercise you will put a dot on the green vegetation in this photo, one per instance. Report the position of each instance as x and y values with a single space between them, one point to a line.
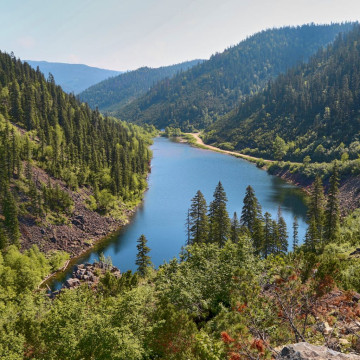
219 301
310 114
195 98
114 93
41 127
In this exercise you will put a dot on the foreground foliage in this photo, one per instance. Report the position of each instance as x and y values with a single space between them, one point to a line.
214 303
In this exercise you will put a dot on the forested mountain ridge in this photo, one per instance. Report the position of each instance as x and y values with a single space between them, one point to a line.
47 135
112 94
313 110
73 77
197 97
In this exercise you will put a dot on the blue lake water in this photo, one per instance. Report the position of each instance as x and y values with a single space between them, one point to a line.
177 172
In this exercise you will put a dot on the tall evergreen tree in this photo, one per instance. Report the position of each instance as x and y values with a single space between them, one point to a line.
282 235
251 209
143 260
3 238
198 220
295 234
332 224
219 222
268 236
11 221
316 215
235 228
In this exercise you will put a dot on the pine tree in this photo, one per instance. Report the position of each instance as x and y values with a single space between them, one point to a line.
332 215
295 234
219 222
316 214
282 235
11 221
268 233
143 261
251 209
198 220
258 236
4 242
235 228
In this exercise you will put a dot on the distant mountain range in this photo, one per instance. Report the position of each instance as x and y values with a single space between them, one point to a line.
73 77
112 94
194 99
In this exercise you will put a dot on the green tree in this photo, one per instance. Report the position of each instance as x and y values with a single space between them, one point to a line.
282 235
251 209
219 221
279 148
143 260
295 234
316 214
332 214
11 221
198 220
235 228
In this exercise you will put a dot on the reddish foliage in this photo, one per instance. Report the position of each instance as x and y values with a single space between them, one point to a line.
227 339
259 345
234 356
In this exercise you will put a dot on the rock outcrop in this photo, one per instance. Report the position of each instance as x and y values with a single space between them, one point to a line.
90 273
306 351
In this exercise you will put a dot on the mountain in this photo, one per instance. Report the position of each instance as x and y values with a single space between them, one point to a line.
73 77
112 94
197 97
62 165
314 108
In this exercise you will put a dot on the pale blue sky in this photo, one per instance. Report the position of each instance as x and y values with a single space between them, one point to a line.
127 34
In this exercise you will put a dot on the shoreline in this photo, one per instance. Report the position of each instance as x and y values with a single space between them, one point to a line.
349 185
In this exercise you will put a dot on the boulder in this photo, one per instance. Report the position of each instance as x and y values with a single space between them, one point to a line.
306 351
70 283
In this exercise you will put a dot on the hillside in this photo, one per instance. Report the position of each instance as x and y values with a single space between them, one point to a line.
313 110
73 78
197 97
112 94
66 171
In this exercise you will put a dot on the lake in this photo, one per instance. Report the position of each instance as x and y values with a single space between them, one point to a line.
177 172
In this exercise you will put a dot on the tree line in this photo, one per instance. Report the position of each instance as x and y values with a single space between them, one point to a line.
212 224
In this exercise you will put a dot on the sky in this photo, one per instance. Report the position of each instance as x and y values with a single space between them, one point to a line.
127 34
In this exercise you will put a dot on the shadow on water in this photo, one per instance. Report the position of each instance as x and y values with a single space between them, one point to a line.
289 197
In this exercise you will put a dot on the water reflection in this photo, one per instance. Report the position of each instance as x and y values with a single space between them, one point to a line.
177 172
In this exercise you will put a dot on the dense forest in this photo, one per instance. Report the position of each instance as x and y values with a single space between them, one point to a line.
312 112
197 97
227 297
112 94
42 127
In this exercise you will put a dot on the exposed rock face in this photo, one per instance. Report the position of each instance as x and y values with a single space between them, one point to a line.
306 351
90 273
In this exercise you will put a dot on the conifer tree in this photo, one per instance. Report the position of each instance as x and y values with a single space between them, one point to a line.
143 260
332 215
3 238
316 215
268 233
198 220
251 209
258 236
11 221
282 235
235 228
295 234
219 222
